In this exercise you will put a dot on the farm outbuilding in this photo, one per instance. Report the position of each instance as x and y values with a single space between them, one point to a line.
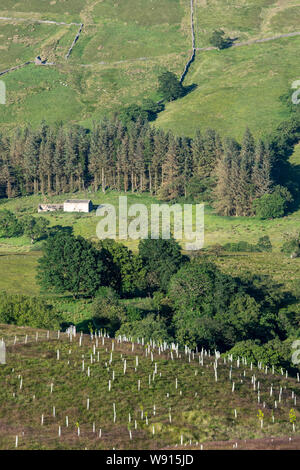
78 205
50 207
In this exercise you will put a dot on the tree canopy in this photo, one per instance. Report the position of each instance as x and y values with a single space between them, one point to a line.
170 87
9 225
215 310
35 227
161 259
274 205
73 264
129 276
219 40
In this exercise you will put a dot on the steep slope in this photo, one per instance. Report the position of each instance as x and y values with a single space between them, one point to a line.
72 393
236 88
124 46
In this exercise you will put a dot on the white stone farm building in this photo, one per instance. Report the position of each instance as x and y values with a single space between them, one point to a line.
71 205
78 205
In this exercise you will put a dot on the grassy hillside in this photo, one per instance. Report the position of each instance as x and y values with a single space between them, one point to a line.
20 271
218 229
170 402
121 51
245 19
21 42
20 276
133 29
80 94
236 88
125 45
58 10
91 11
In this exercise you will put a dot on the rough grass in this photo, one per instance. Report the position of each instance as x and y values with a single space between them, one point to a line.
248 19
18 272
115 41
125 45
21 42
58 10
141 12
122 49
218 229
133 29
80 94
18 258
34 89
200 409
280 268
236 88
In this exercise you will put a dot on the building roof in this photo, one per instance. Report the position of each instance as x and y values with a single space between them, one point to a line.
78 201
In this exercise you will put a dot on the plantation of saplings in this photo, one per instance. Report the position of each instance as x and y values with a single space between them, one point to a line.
115 343
91 392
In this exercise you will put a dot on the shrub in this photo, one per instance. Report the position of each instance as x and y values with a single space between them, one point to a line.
107 311
219 40
274 205
107 293
170 87
9 225
151 327
28 311
263 244
161 258
273 353
133 313
240 246
146 112
291 245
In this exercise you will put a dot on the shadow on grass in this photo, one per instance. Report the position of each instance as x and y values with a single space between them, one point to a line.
188 89
295 188
58 229
227 43
230 42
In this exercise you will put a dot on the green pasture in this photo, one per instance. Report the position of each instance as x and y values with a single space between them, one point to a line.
245 19
55 10
218 229
80 94
18 258
236 88
23 41
123 48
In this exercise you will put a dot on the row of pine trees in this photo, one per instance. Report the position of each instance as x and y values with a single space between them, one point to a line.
137 158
